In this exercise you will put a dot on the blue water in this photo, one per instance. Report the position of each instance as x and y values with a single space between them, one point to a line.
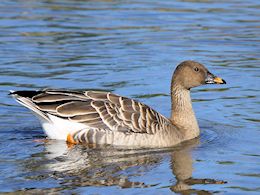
131 48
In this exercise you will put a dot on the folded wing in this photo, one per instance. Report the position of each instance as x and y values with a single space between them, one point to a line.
100 110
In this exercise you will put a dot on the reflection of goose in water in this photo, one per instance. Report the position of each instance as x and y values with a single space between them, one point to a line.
84 166
181 165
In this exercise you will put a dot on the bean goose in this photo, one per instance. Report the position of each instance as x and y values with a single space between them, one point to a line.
96 117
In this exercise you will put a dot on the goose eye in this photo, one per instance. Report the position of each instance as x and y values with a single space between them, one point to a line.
196 69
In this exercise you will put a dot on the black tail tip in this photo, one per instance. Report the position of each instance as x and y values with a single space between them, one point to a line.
28 94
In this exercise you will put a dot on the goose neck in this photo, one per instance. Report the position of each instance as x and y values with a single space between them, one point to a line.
182 114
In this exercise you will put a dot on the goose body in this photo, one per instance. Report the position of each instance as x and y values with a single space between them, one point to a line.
96 117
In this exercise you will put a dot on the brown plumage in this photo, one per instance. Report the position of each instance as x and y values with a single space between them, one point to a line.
106 118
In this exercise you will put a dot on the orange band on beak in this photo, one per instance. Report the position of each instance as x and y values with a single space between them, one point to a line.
219 80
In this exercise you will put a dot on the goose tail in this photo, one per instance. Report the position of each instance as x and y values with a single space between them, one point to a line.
53 126
25 99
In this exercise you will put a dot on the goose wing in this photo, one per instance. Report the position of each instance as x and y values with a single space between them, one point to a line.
100 110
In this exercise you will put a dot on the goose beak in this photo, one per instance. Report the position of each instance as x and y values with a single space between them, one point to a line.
211 79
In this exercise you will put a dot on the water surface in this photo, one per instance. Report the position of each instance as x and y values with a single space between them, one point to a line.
131 48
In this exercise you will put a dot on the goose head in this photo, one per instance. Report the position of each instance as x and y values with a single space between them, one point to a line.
189 74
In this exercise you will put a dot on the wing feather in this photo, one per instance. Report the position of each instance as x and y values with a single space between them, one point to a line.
114 99
97 95
48 107
86 117
75 108
45 97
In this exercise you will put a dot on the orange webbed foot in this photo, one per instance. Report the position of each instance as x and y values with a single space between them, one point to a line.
71 140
